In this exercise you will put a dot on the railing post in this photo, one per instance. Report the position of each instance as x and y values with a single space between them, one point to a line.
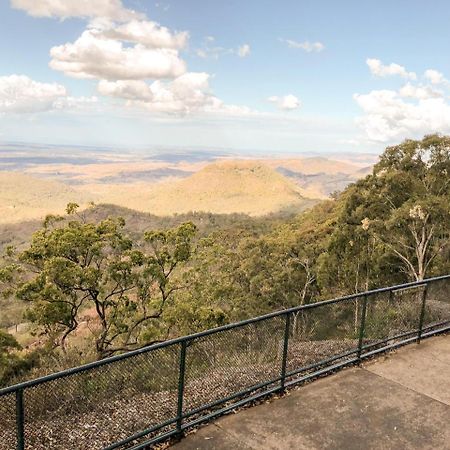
422 313
362 326
181 379
20 420
285 349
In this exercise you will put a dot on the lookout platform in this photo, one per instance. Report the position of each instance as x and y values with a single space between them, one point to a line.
398 401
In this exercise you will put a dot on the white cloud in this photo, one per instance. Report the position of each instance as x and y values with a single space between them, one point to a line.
306 45
243 50
388 117
286 102
209 50
94 56
410 112
419 92
63 9
134 59
150 34
201 53
70 102
126 89
189 93
380 70
435 77
20 94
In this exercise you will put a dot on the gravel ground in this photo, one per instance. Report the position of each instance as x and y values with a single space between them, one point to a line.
120 416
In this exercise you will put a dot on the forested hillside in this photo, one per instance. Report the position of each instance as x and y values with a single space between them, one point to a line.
106 280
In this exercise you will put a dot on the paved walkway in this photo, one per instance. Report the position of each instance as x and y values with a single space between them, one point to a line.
400 401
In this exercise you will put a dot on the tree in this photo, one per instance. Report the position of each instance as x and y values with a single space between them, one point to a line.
8 359
79 266
406 202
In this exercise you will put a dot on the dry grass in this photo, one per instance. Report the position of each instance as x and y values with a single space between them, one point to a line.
223 187
24 197
248 186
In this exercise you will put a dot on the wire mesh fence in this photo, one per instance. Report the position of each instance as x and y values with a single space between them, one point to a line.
8 435
322 336
131 400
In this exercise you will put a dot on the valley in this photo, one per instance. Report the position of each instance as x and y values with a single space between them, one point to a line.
35 182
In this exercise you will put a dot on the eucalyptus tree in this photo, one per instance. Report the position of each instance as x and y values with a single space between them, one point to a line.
76 267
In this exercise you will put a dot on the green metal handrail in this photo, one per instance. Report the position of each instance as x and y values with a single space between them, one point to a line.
181 422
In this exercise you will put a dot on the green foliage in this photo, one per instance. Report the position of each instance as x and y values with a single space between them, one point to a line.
155 278
9 361
79 266
395 224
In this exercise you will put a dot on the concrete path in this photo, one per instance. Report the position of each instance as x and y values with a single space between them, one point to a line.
399 401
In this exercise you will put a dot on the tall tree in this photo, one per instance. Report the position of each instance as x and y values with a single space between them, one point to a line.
405 204
79 266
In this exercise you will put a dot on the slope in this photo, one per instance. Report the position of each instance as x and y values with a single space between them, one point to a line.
23 197
249 187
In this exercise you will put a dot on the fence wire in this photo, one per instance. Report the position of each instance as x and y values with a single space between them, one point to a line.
8 438
223 364
136 398
323 333
437 306
110 402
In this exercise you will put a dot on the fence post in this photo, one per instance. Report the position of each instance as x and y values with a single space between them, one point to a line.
285 349
362 326
422 313
181 378
20 420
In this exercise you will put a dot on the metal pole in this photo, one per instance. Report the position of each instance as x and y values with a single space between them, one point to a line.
362 326
181 379
422 313
285 349
20 420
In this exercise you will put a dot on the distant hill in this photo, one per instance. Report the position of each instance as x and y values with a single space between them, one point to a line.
315 165
248 187
318 177
23 197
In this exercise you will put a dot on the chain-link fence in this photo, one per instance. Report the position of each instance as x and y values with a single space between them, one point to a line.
142 397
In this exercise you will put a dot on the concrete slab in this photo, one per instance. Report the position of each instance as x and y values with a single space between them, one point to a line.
424 368
358 408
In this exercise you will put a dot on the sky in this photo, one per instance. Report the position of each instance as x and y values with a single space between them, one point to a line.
254 75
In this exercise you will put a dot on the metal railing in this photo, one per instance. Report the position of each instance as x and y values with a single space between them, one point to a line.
148 395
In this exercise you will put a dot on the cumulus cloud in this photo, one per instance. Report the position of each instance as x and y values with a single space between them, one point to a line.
126 89
380 70
63 9
94 56
306 45
20 94
188 93
435 77
135 60
150 34
243 50
389 117
411 111
286 102
419 92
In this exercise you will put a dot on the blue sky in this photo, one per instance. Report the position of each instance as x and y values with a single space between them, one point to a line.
256 75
